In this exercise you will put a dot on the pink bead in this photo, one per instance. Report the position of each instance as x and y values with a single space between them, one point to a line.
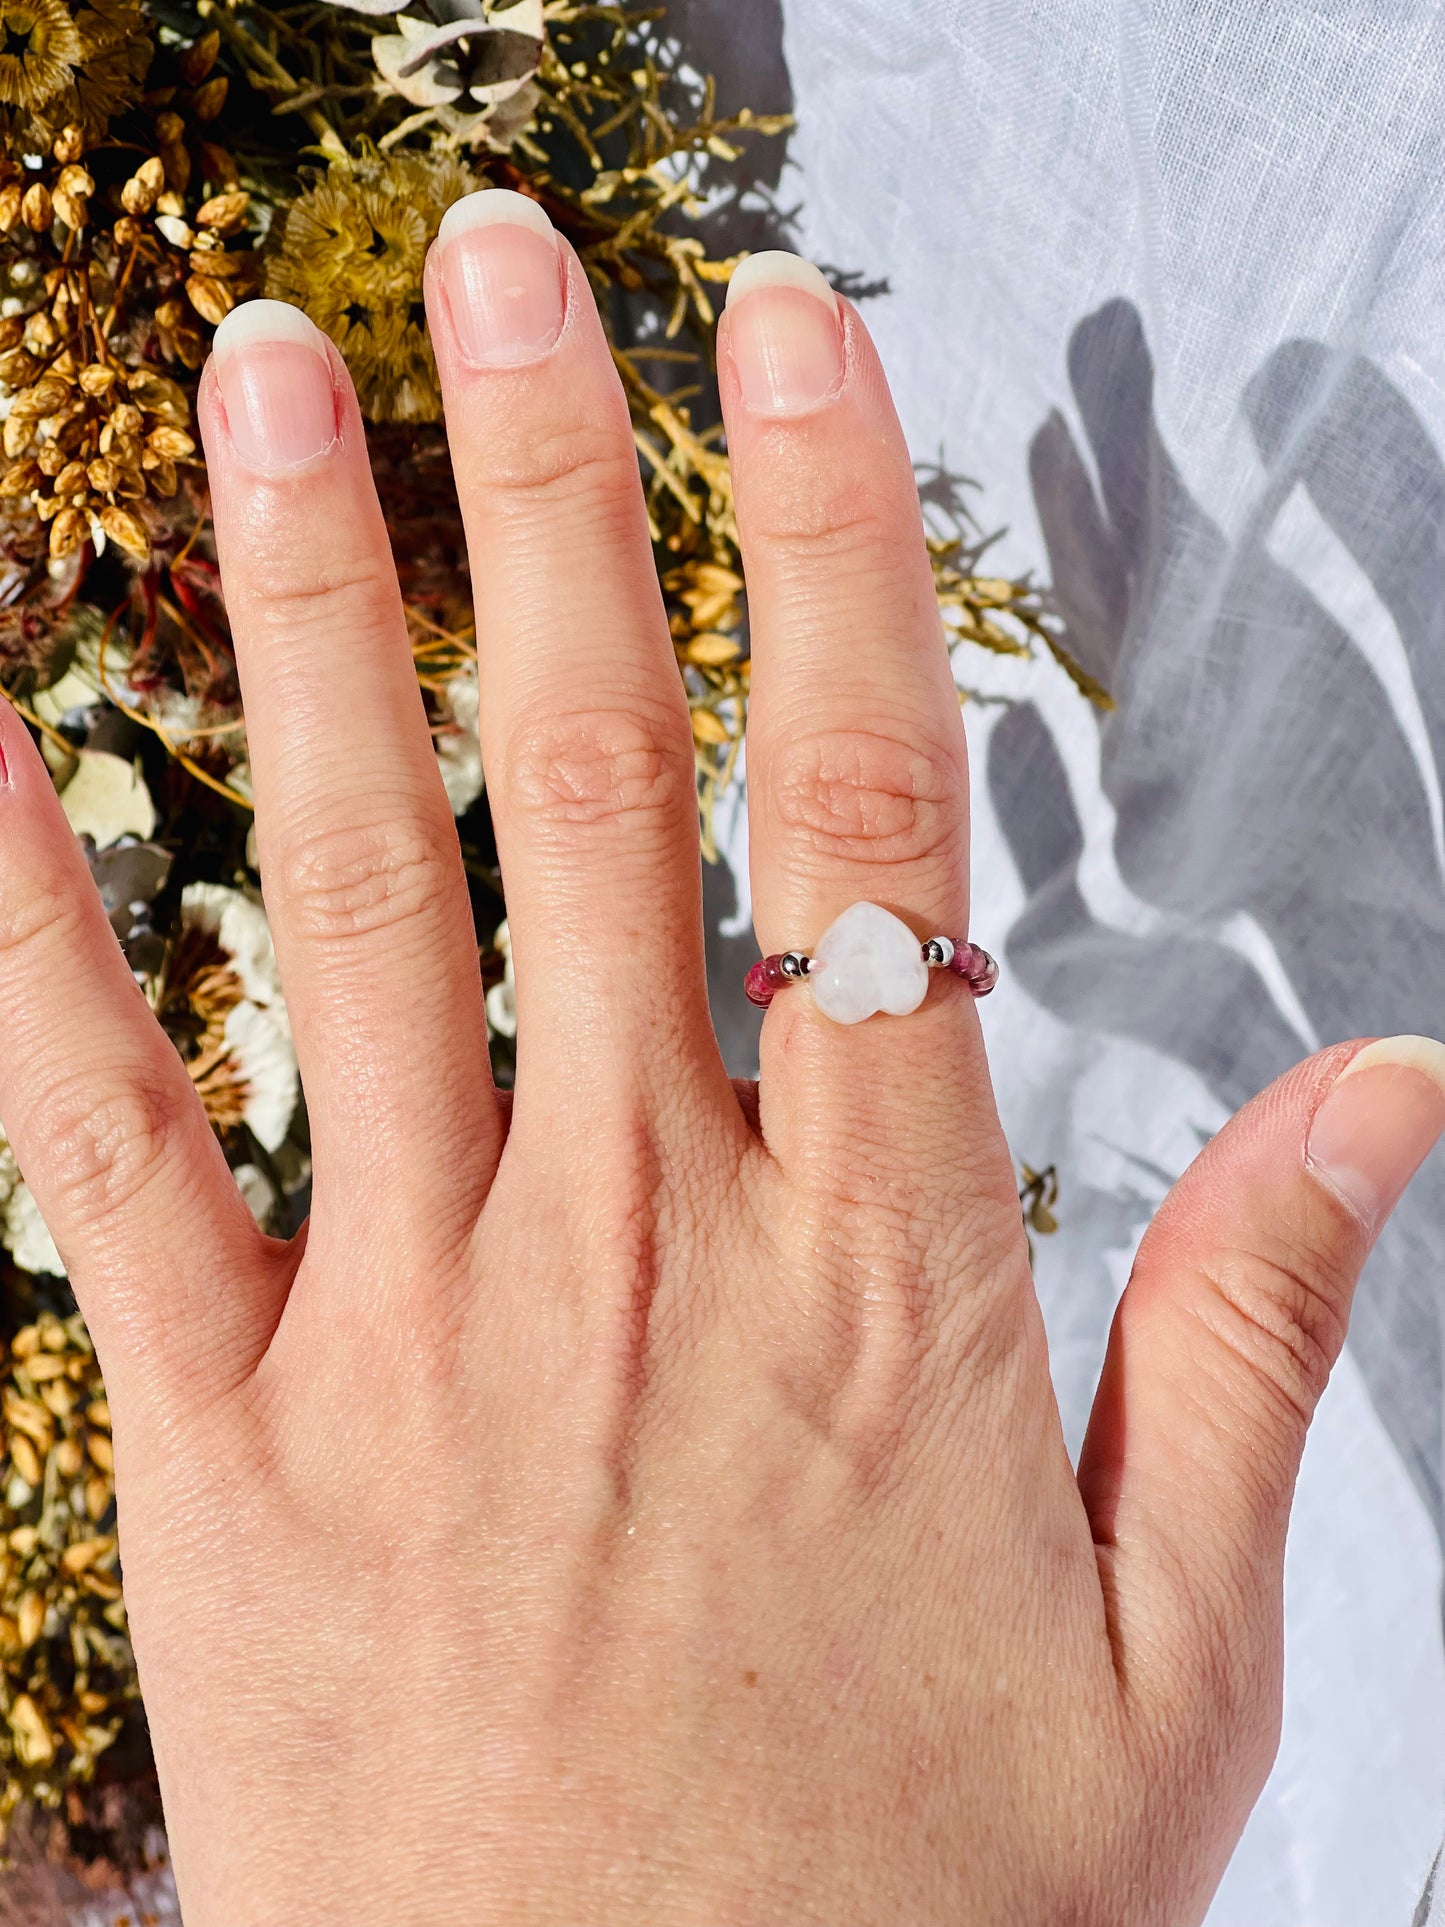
976 967
764 979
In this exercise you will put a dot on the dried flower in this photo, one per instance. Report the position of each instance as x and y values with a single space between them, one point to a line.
352 252
502 997
471 61
220 997
62 64
459 750
68 1673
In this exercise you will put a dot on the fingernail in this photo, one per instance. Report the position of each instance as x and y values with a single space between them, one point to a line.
502 271
275 381
785 334
1379 1121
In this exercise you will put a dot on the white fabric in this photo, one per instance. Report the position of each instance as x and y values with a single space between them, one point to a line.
1245 861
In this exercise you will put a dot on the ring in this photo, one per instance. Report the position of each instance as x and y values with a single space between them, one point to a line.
868 960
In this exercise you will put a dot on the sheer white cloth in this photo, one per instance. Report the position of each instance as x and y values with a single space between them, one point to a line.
1169 280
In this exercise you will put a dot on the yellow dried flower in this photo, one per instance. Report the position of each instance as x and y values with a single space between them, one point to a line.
352 252
67 69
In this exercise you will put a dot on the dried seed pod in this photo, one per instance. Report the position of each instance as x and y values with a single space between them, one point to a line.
212 300
162 475
126 530
24 1540
46 1365
47 507
103 474
223 212
67 532
199 58
101 1450
159 394
85 1553
11 199
53 1334
710 650
70 1458
42 398
173 443
40 333
25 1459
210 98
59 1397
103 1584
125 418
70 481
170 130
72 209
37 209
18 368
175 230
30 1618
16 435
34 1743
140 192
12 331
127 232
20 479
29 1416
50 461
98 1412
69 144
707 730
97 1500
97 379
77 180
217 265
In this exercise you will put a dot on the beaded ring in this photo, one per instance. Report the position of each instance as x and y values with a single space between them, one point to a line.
868 960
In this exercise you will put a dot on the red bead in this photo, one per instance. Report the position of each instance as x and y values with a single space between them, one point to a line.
764 979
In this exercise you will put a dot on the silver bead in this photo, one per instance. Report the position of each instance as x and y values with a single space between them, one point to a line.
938 953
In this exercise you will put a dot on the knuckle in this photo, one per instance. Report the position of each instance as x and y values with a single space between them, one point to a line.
573 464
600 767
816 513
867 796
43 914
102 1150
347 595
1283 1313
343 881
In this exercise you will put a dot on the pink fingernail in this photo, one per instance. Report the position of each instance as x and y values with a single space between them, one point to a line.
784 333
275 382
1378 1123
503 275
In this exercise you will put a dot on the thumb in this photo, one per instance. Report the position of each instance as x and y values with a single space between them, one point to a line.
1221 1346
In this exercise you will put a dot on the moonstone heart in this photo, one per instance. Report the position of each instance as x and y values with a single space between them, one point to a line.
867 960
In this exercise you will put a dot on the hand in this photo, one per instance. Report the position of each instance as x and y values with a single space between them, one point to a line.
650 1505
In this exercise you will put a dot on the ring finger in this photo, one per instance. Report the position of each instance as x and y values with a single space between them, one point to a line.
857 765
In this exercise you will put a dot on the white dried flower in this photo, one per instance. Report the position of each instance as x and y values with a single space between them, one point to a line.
459 749
502 997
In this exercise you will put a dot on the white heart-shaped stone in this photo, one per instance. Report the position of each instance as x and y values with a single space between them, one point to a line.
867 960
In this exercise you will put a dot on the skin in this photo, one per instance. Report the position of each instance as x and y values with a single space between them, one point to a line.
648 1501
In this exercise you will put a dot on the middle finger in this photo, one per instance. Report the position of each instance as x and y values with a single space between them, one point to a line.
585 732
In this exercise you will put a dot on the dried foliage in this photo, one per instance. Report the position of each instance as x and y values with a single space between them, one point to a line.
159 163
